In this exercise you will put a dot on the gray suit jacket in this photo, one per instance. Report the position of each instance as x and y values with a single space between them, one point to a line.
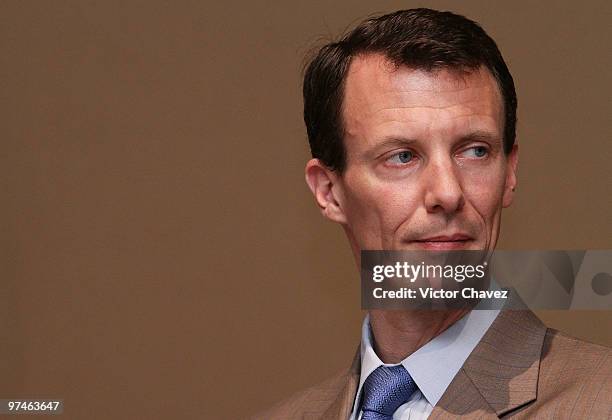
520 369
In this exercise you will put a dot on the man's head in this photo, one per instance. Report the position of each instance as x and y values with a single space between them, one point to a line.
411 121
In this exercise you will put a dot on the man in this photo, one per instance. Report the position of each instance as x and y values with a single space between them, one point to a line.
411 121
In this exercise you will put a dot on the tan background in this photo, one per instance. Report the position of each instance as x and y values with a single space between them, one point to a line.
161 255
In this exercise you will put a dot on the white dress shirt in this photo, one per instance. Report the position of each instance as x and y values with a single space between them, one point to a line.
432 366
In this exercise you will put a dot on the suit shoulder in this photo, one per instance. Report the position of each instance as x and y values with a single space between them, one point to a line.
313 400
578 355
573 381
576 372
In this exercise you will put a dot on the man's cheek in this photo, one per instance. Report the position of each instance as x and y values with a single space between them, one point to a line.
483 192
362 216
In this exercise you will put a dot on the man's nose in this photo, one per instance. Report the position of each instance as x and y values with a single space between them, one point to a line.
443 189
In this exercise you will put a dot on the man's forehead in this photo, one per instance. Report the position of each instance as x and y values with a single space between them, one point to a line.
373 81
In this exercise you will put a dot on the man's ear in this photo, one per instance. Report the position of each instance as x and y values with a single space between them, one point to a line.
327 190
511 179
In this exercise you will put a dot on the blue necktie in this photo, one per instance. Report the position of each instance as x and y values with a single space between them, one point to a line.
384 391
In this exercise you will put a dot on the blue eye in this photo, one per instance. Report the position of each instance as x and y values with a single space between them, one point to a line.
402 157
478 151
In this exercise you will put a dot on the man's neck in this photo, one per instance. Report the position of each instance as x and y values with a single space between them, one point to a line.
398 334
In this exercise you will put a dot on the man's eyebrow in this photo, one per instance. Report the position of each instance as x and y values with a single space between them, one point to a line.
481 135
387 143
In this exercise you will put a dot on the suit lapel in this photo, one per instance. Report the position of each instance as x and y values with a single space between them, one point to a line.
462 399
501 374
342 405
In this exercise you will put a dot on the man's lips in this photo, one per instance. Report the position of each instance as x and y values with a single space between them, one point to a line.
457 237
444 242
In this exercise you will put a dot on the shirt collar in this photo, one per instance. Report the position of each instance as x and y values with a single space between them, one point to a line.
434 365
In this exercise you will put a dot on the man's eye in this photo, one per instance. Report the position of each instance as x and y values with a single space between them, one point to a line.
477 151
401 157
